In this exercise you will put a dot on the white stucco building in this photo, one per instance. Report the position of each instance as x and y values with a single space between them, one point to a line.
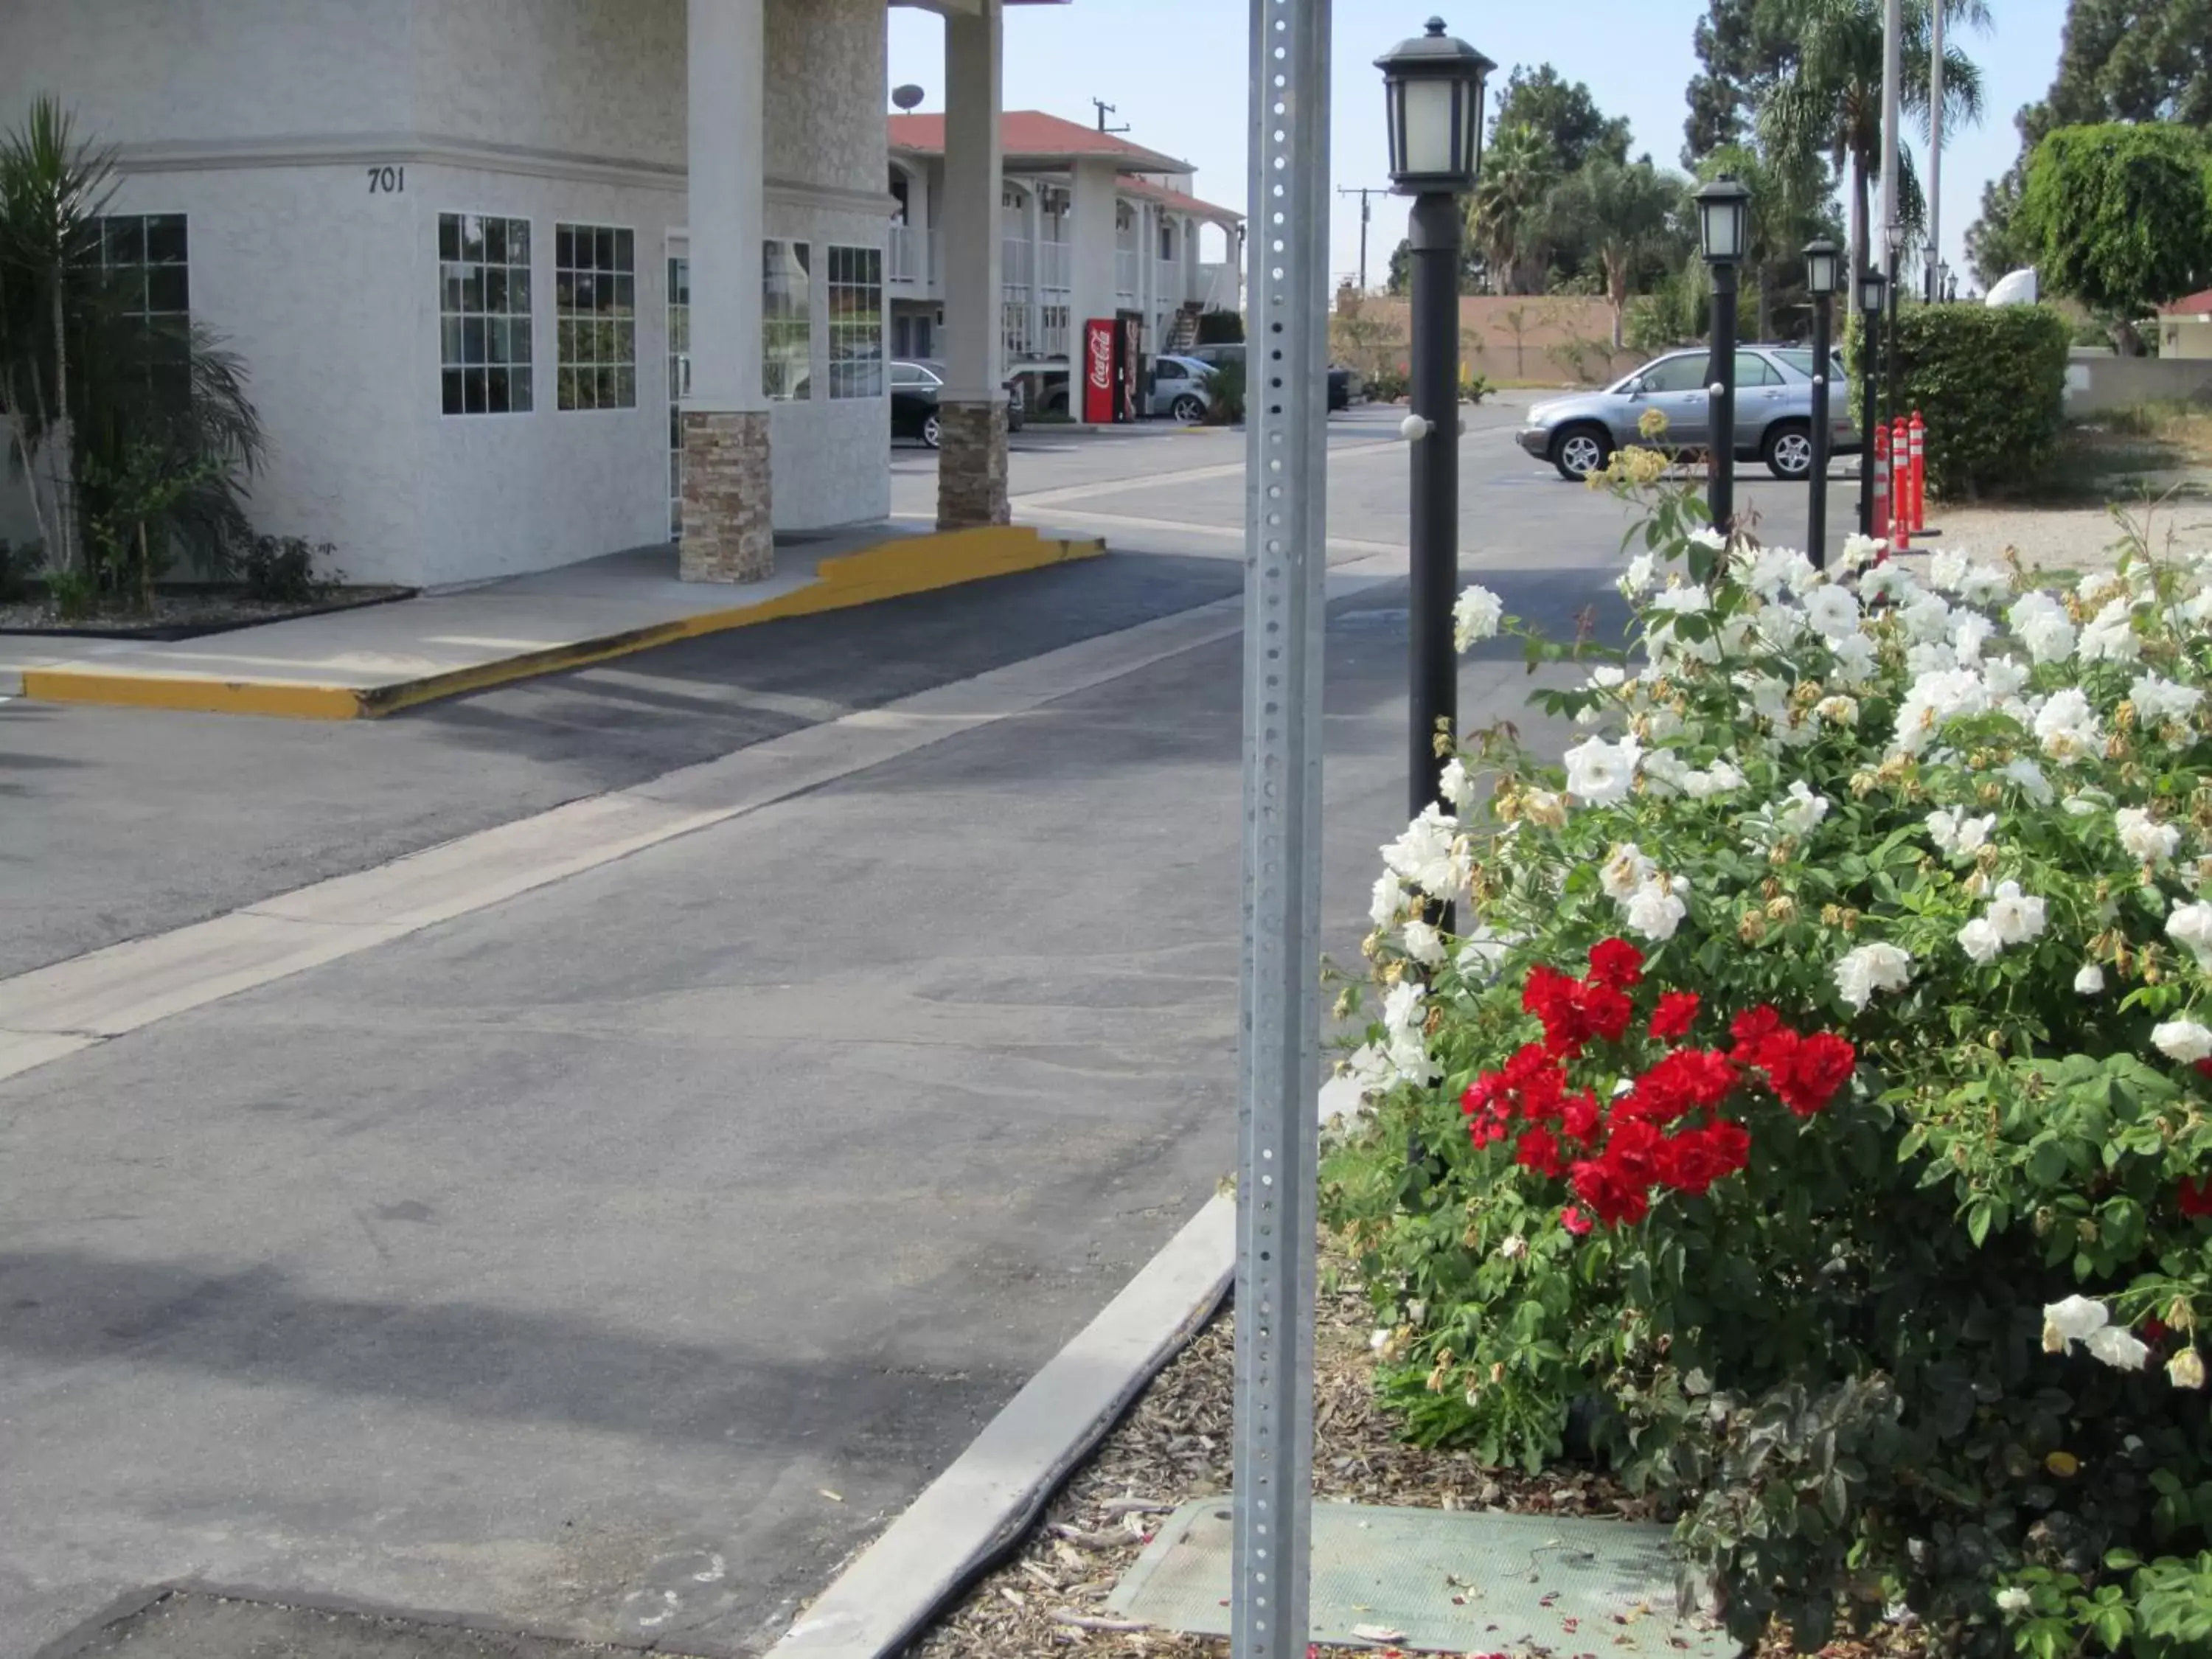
1093 225
498 266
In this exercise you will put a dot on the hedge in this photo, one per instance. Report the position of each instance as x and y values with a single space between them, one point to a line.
1990 382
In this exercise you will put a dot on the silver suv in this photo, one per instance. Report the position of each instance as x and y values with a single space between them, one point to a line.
1773 412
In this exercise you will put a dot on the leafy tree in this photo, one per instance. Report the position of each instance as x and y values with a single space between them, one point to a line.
2118 60
1564 113
1828 102
1743 52
2121 216
1628 214
2132 60
1399 281
1788 207
1508 218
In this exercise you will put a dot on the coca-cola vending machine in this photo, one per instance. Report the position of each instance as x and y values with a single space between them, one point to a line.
1102 400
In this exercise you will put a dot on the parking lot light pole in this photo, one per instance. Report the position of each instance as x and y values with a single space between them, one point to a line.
1872 287
1435 87
1823 262
1723 227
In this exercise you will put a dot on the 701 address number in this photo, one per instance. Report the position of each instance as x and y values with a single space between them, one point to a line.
386 181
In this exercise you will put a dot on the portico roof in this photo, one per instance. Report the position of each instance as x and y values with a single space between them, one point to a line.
1031 138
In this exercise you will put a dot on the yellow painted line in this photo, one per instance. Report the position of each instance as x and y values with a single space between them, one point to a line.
913 564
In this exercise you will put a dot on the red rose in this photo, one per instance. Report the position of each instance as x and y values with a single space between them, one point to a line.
1579 1117
1818 1066
1616 962
1552 997
1751 1028
1538 1150
1618 1196
1574 1221
2194 1196
1676 1013
1691 1161
1605 1011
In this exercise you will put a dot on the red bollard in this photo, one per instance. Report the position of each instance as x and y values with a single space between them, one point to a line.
1881 527
1917 433
1901 488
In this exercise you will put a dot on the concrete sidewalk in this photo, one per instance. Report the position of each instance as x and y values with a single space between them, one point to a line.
360 664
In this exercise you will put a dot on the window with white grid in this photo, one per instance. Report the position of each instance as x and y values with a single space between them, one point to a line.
595 307
787 321
483 315
856 322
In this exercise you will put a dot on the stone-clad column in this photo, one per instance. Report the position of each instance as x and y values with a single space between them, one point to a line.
971 464
728 528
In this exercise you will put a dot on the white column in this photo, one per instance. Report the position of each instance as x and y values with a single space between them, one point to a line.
727 94
1033 228
1089 264
975 257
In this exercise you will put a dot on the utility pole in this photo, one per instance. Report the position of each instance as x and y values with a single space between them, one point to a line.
1367 217
1936 154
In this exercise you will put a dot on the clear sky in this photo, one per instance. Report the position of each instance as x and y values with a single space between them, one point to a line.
1176 68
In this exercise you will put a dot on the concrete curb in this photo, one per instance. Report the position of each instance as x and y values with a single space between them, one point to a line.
990 1498
917 564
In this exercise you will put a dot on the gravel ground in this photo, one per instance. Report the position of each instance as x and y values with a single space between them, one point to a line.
2077 538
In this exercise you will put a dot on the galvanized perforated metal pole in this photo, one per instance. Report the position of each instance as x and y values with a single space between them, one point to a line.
1286 418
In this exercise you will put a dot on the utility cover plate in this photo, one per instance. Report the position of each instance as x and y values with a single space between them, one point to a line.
1440 1581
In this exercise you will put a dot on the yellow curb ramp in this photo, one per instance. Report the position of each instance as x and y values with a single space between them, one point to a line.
893 569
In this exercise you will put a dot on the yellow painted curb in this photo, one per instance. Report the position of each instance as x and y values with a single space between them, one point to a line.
913 564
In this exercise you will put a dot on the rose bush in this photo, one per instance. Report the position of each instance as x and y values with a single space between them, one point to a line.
1810 1117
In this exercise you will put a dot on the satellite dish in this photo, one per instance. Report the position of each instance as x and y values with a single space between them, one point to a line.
908 97
2017 288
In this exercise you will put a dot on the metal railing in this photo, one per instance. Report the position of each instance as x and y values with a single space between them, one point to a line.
1018 265
901 256
1129 266
1053 265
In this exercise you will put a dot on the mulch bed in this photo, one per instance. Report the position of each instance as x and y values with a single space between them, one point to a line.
1175 1445
188 613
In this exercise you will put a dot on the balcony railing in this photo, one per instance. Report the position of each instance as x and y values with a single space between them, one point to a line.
911 256
1168 282
1053 266
1018 269
1128 263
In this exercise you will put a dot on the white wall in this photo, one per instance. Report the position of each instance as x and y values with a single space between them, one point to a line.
140 72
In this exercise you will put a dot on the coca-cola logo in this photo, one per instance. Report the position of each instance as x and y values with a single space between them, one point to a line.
1101 358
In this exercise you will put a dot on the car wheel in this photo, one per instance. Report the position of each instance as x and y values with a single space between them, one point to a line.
1188 409
1580 451
1789 451
930 430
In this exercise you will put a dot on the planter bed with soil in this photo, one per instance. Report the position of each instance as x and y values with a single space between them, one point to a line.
1175 1444
188 613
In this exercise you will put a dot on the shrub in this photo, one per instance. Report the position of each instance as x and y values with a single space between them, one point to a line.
17 566
1817 1110
1389 384
1990 383
281 570
1220 328
1473 387
1225 403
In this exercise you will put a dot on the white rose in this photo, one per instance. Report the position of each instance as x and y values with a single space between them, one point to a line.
1657 909
2146 840
1601 773
2111 636
1456 786
2016 916
2190 925
2159 701
1801 810
2066 726
1856 658
1427 857
2029 776
2183 1040
2117 1347
2013 1599
1637 578
2090 981
1859 549
1833 613
1624 870
1870 968
1476 617
1389 899
1980 940
2042 626
1424 944
2075 1319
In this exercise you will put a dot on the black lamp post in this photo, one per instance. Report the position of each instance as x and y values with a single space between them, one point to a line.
1436 88
1824 266
1873 287
1724 226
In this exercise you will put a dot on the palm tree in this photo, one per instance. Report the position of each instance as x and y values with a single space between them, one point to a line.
1626 213
52 193
1828 102
1506 218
